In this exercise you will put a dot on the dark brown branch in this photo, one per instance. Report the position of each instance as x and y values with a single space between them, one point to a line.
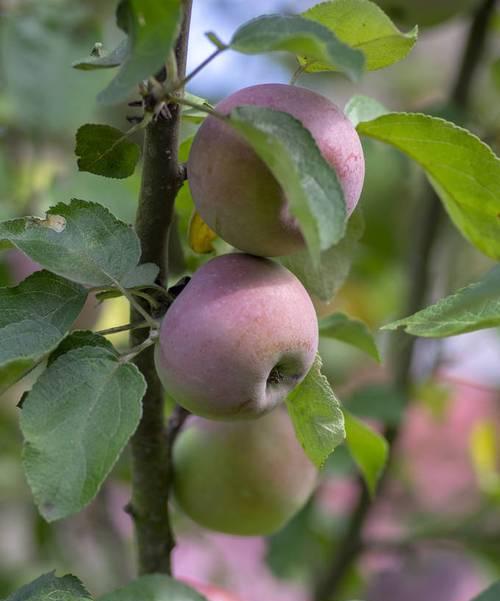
428 219
162 179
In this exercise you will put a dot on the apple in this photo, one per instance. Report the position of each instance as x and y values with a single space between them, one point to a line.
234 191
246 478
211 593
424 12
239 337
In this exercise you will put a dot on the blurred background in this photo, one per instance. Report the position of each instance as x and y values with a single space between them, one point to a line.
434 534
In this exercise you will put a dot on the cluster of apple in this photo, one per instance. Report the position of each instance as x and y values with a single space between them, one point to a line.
243 333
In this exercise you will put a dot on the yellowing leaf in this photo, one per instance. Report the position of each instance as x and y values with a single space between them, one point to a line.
200 235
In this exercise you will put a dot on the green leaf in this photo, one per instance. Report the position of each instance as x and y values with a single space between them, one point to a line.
381 402
76 420
363 108
105 150
361 24
472 308
102 60
82 241
300 36
316 415
309 182
79 339
368 449
463 170
490 594
325 279
154 587
152 27
495 73
351 331
38 42
142 275
192 114
50 588
34 317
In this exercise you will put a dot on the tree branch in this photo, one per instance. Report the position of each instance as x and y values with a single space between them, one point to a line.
428 219
162 179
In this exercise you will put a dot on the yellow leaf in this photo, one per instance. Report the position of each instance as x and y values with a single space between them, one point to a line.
200 236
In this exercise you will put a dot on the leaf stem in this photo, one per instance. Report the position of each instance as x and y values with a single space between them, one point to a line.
124 328
137 350
138 307
182 84
428 220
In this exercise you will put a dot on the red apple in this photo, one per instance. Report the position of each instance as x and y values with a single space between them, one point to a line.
238 338
235 192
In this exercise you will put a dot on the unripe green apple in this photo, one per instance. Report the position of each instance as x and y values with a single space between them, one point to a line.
236 193
243 478
238 338
424 12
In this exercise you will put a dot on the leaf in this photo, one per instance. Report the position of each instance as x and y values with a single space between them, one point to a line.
316 415
310 184
105 150
325 279
192 114
39 41
200 235
76 420
381 402
490 594
82 241
475 307
368 449
300 547
155 587
34 317
483 446
300 36
363 108
152 27
51 588
361 24
81 338
495 73
141 276
351 331
100 60
463 170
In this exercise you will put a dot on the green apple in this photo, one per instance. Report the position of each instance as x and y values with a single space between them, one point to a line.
245 478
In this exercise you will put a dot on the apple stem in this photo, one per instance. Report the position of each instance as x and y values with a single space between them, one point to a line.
162 178
427 226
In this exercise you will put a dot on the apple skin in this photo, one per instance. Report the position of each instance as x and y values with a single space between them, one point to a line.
424 12
242 478
212 593
234 191
238 338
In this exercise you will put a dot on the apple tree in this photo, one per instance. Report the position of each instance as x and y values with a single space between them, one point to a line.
220 395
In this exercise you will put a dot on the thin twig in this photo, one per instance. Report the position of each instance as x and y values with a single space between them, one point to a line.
429 217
